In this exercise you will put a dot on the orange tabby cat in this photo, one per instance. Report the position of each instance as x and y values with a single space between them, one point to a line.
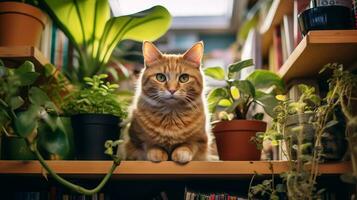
168 118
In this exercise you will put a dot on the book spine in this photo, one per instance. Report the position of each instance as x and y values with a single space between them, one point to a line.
355 12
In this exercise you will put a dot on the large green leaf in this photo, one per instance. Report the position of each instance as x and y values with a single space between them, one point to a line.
149 24
245 87
214 72
83 21
215 96
26 73
26 121
264 79
267 101
238 66
38 97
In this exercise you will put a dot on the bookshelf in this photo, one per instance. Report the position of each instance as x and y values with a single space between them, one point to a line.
278 9
168 169
317 49
15 56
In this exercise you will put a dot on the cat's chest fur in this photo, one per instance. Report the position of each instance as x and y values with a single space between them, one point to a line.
168 127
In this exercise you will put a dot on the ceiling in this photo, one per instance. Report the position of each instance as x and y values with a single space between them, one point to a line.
197 15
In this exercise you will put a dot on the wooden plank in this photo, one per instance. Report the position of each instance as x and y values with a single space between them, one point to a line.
15 56
316 50
275 16
168 168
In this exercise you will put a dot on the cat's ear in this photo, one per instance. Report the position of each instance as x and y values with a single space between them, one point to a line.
150 52
195 54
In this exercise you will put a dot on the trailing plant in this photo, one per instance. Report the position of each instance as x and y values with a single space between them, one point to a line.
98 98
342 92
24 106
95 34
238 96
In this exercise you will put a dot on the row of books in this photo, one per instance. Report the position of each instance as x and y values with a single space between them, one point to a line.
286 35
55 46
44 195
191 195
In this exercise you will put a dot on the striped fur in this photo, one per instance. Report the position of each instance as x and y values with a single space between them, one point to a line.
167 126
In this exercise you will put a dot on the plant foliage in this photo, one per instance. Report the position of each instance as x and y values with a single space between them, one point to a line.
237 96
88 25
98 98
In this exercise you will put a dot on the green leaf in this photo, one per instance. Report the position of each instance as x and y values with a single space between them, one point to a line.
331 124
26 67
245 87
215 73
37 96
26 121
225 103
215 96
149 25
28 78
264 79
235 93
258 116
238 66
16 102
267 101
83 21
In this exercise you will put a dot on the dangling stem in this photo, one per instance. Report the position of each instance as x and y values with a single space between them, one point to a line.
77 188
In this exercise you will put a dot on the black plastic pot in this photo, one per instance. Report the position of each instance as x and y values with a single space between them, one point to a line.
90 133
325 18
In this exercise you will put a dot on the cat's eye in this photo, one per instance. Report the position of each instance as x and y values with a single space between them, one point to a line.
161 77
184 78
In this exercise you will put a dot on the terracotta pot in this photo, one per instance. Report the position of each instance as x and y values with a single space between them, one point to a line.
21 24
233 139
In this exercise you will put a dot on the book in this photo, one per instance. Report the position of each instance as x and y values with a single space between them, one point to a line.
355 12
278 47
284 49
288 22
299 6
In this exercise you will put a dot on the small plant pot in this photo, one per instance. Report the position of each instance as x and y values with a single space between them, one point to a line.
325 18
90 133
21 24
15 148
307 129
233 139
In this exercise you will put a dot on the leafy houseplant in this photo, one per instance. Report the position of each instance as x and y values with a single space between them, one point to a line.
18 17
95 115
234 132
95 35
23 107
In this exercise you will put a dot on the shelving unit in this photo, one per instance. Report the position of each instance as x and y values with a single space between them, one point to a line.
316 50
15 56
146 169
278 9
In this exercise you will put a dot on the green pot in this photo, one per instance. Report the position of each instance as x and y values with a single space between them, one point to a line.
14 148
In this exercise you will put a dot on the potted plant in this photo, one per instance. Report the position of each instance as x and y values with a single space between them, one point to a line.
21 101
95 34
24 106
234 131
95 116
17 18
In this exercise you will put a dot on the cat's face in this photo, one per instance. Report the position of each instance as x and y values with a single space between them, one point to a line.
172 78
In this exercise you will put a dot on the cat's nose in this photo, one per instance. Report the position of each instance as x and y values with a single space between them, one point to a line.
172 91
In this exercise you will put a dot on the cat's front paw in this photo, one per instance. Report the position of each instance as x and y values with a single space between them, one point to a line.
182 155
157 155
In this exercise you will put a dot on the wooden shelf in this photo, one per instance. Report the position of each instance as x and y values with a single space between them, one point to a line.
316 50
15 56
146 169
278 9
